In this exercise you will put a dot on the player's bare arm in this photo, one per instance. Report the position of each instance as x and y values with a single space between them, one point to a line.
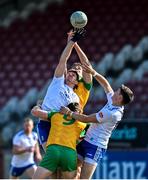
61 67
101 80
80 117
83 58
38 112
38 156
20 150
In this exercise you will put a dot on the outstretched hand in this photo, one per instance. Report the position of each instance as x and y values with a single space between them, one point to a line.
78 34
34 110
88 68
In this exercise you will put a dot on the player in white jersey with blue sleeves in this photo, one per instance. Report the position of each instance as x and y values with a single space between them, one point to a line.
61 90
25 146
92 149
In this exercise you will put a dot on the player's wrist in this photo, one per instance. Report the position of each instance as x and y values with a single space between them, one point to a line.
94 73
73 40
76 44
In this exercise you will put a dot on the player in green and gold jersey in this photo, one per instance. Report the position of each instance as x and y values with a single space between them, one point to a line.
61 143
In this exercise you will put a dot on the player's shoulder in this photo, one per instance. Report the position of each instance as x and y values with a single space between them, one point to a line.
18 136
84 85
58 79
19 133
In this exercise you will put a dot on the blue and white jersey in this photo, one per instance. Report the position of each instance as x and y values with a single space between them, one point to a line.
108 117
58 94
24 141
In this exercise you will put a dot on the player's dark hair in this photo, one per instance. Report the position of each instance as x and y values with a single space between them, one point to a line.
127 94
76 72
74 107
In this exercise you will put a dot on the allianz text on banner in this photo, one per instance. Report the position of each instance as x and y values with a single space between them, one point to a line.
123 165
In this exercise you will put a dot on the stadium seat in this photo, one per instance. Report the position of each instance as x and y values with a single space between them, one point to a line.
137 54
11 105
118 62
123 78
5 117
144 44
31 47
105 64
126 52
8 131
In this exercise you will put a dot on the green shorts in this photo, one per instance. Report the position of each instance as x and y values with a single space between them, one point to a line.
59 156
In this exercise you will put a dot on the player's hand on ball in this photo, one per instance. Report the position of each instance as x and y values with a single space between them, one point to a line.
78 34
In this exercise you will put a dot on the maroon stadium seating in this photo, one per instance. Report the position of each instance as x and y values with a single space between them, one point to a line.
29 50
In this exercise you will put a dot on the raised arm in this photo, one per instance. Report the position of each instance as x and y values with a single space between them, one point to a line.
61 67
83 59
101 79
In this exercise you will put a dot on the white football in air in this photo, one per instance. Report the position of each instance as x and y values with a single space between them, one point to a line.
78 19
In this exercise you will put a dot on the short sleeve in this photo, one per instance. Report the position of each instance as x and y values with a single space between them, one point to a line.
50 114
109 97
61 78
58 80
17 140
35 136
103 115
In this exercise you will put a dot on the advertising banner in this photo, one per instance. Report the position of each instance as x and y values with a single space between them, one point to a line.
123 165
130 135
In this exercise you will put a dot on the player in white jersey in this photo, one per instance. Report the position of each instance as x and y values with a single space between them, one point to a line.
93 147
25 146
60 91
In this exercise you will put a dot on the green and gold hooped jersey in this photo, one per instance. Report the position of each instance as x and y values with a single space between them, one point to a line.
83 92
64 131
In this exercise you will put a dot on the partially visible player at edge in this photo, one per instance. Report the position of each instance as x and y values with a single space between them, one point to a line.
25 146
92 149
